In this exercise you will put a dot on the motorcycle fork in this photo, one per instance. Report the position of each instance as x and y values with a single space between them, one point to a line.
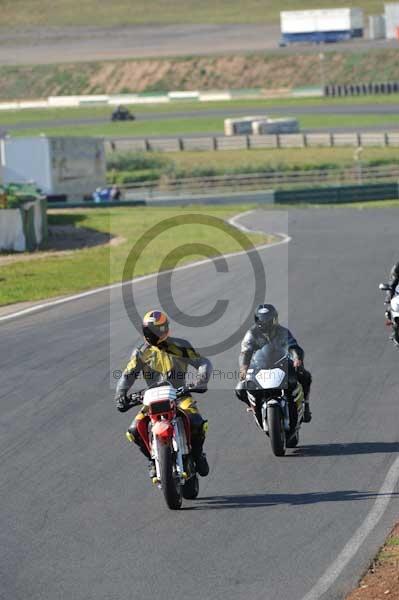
282 403
180 447
264 418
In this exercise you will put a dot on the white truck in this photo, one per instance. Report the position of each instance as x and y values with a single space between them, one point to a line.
63 168
391 15
321 25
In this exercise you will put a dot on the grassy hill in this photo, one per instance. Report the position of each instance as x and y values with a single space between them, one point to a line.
269 71
124 12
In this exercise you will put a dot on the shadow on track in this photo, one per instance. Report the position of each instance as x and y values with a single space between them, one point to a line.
346 449
263 500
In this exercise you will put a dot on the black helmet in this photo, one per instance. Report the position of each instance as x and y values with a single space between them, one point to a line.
266 318
155 327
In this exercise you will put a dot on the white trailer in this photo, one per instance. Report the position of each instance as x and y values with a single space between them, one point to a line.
321 25
392 20
377 29
63 168
241 126
275 126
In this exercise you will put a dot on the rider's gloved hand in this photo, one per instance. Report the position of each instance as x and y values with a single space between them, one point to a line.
199 388
122 402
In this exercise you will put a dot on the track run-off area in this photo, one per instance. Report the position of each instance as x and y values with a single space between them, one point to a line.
80 518
326 109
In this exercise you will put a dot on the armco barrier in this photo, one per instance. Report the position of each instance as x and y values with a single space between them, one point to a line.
207 96
341 194
91 204
240 142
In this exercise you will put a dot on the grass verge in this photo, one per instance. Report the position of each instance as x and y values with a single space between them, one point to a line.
89 268
120 12
125 168
196 125
32 115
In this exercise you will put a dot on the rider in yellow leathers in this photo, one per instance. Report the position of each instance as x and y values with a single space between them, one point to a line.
162 357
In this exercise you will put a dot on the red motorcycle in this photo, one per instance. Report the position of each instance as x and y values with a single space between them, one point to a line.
168 440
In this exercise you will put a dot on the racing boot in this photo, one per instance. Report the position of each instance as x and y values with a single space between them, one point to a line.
199 427
201 464
307 415
199 456
152 472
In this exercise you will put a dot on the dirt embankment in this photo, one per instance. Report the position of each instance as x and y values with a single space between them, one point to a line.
382 579
204 73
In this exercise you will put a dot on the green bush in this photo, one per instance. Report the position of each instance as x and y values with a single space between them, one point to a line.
17 194
125 177
136 167
129 161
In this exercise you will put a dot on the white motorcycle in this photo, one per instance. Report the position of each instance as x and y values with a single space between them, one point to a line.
392 313
276 398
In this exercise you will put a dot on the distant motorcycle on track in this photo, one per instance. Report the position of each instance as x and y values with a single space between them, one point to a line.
167 438
392 313
276 398
121 113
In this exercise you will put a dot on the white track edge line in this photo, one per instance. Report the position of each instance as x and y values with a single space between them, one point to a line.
285 239
351 548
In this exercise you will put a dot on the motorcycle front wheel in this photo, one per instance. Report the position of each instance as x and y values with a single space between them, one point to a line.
276 430
170 484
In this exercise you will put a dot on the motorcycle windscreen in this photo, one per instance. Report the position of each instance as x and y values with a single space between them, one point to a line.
270 366
395 305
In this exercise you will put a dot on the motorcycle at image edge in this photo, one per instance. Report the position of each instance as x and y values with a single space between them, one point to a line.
276 398
392 313
168 440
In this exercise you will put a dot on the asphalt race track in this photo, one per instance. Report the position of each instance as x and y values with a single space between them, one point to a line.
44 45
325 109
81 520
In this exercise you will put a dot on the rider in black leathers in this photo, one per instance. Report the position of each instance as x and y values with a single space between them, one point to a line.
267 330
393 282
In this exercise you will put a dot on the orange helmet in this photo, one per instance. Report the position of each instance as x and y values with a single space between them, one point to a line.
155 327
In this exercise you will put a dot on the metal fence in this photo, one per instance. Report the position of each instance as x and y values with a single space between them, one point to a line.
262 181
247 142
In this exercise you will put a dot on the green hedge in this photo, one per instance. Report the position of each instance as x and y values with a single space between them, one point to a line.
17 194
338 194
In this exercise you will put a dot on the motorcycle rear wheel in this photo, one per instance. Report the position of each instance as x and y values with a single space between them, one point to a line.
170 486
276 430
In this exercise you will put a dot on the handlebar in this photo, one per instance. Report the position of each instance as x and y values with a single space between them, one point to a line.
136 398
